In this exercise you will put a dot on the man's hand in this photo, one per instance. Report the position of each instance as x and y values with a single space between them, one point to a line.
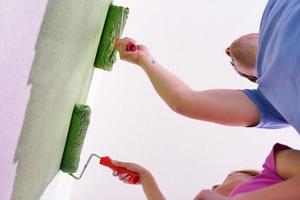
138 57
210 195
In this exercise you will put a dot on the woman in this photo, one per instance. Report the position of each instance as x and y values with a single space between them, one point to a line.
281 165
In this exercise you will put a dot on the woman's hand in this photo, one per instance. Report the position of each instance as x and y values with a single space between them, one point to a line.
210 195
130 166
138 57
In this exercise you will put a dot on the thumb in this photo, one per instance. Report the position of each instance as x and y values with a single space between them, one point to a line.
130 166
126 165
118 163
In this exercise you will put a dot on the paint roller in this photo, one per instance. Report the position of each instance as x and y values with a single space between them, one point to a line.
113 28
77 131
105 58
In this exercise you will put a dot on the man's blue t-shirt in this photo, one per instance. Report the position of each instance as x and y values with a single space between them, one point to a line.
278 59
269 116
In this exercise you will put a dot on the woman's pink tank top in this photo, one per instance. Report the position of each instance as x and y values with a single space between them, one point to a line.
267 177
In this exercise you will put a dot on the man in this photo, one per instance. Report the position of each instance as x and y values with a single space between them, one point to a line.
223 106
272 61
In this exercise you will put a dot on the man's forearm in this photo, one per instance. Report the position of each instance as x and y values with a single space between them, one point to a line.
287 190
169 87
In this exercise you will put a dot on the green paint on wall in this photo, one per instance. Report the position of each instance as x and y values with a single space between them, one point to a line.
60 78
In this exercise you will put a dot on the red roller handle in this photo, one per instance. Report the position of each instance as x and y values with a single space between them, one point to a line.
131 46
134 177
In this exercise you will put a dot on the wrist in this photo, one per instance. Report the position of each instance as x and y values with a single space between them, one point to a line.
145 175
146 61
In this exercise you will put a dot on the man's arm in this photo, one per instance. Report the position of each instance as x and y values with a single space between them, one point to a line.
228 107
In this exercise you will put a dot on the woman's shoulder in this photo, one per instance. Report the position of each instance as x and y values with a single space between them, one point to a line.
287 161
270 162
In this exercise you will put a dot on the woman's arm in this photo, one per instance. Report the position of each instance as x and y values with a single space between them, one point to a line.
147 180
151 188
288 163
288 167
287 190
228 107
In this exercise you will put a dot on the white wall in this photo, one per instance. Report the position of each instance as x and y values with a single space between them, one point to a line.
20 24
131 123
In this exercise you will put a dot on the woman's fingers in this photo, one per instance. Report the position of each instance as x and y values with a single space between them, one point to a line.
115 173
126 180
122 176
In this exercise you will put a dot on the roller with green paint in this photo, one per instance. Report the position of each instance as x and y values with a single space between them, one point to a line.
113 29
77 131
78 127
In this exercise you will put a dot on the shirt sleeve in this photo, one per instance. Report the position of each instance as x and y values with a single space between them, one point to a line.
269 116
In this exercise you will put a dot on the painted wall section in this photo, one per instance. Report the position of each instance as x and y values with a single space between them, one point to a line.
58 57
